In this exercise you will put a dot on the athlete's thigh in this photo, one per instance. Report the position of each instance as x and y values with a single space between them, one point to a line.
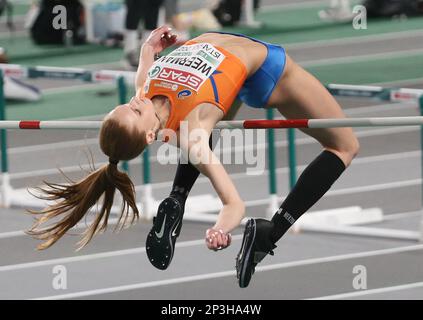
302 96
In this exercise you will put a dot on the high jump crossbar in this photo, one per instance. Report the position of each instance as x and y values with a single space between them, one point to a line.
241 124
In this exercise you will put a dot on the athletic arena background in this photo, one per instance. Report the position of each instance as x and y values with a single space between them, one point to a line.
386 176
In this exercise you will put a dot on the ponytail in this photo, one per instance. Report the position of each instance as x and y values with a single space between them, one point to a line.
73 200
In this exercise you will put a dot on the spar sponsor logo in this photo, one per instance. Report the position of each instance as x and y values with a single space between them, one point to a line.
180 77
184 93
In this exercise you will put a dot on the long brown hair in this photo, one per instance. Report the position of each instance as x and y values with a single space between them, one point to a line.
73 200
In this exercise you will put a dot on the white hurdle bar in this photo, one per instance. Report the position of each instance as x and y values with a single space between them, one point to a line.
107 76
59 73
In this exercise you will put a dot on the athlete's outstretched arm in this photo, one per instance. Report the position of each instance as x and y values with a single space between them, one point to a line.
203 158
186 174
159 39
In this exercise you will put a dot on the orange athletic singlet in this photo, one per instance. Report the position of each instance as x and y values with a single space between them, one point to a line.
195 73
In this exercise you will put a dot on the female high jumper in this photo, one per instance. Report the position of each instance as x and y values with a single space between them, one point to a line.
198 84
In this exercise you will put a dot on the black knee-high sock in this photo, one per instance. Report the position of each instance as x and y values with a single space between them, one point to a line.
185 177
313 183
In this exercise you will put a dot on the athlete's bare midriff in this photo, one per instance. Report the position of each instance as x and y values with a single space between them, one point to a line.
251 53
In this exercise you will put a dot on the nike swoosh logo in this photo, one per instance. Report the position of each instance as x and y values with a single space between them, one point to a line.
160 234
174 229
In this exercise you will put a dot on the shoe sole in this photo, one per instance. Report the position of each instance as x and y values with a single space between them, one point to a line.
160 250
245 253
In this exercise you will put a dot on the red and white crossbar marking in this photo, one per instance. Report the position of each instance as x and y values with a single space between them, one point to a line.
36 124
322 123
241 124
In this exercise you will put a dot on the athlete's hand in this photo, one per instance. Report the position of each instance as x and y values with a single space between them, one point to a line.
160 39
217 239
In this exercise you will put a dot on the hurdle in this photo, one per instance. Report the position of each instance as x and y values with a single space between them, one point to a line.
59 73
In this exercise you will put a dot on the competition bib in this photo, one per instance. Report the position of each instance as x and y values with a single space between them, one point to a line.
189 65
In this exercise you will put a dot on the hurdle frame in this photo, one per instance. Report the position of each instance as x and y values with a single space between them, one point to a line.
5 187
